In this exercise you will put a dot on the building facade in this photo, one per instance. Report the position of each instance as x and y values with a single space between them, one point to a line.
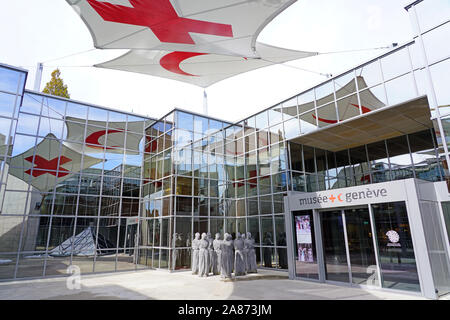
347 182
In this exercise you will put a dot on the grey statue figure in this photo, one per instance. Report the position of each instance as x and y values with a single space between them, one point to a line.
195 253
212 256
226 261
245 252
218 254
239 259
203 257
175 253
267 252
251 254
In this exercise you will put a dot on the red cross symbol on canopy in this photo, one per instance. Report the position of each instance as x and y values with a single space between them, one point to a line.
43 166
161 18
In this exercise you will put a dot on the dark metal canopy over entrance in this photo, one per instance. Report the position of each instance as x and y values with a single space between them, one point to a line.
386 123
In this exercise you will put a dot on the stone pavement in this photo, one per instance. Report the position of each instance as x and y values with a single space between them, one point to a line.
160 284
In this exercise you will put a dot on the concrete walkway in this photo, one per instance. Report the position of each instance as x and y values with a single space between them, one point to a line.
158 284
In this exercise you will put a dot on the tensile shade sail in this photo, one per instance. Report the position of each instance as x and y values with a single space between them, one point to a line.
228 27
200 69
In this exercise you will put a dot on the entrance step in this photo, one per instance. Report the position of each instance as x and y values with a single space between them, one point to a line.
259 276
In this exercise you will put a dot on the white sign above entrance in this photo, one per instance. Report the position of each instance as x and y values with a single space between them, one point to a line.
361 195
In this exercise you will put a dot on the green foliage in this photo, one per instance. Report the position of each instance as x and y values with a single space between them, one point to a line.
56 86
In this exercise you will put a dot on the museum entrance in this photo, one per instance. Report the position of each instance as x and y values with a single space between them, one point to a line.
348 246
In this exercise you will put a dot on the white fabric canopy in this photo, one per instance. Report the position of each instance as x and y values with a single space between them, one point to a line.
198 68
227 27
43 167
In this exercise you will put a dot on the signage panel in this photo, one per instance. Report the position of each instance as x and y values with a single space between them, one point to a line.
353 196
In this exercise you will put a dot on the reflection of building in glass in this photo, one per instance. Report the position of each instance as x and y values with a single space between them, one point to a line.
135 190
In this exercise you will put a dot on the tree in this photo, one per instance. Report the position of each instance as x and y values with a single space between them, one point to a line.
56 86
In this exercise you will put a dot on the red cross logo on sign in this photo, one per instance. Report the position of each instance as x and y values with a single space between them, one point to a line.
161 18
43 166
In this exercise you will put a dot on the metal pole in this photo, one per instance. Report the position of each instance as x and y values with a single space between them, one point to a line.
38 79
205 103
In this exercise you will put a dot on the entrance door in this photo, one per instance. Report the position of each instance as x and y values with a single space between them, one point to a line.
360 246
334 247
348 248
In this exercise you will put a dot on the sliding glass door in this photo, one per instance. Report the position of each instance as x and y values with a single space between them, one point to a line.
348 246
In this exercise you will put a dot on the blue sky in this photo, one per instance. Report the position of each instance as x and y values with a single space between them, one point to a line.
34 31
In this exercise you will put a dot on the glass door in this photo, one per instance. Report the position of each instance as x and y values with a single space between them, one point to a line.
334 246
363 263
348 246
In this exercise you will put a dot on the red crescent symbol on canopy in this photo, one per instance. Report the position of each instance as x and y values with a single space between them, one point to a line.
364 110
171 62
339 197
93 138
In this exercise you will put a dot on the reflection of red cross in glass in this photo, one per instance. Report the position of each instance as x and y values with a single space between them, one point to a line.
252 181
151 147
43 166
161 18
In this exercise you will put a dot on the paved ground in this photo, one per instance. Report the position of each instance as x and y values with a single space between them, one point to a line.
155 284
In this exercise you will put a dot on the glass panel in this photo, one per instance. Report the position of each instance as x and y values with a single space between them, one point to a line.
262 120
401 166
395 247
185 121
441 78
431 13
369 75
396 64
324 93
268 240
345 85
306 265
11 80
446 212
335 256
379 163
216 226
292 128
327 115
306 101
400 89
296 156
360 246
7 104
426 163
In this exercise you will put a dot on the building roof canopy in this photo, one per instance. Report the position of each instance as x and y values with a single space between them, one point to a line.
384 123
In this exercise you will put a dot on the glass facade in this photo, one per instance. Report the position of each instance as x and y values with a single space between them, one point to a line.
410 156
71 184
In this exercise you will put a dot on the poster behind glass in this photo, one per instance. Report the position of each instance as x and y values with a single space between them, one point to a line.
304 239
305 249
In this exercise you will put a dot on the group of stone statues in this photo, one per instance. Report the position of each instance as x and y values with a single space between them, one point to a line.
223 256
